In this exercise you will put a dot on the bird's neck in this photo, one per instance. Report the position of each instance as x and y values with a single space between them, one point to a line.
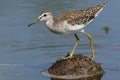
50 23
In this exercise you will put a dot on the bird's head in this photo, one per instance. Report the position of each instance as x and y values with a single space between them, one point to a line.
44 16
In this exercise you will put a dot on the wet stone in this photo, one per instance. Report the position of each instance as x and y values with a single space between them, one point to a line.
78 65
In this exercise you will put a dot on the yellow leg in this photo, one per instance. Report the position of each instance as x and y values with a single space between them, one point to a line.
91 44
74 48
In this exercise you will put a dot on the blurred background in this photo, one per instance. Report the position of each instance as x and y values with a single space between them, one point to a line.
24 52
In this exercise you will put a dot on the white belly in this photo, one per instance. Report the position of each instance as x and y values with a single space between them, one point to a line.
65 28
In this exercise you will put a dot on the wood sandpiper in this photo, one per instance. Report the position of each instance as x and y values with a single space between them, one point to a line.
71 22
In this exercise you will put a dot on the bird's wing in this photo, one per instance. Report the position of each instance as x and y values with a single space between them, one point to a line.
83 16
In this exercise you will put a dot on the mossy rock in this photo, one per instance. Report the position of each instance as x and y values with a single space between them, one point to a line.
79 65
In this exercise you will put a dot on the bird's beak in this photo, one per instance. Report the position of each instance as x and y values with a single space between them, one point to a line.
37 20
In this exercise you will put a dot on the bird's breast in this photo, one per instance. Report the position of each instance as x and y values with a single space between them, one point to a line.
64 27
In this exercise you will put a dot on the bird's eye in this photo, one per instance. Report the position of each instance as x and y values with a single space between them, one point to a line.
44 15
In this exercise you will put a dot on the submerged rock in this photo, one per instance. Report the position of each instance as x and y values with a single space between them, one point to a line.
78 65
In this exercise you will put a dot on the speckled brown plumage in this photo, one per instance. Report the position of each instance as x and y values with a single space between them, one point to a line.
79 16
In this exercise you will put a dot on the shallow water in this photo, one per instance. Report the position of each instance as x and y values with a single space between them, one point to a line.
24 52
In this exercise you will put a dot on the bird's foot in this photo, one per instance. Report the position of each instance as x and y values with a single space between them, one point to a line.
68 56
92 57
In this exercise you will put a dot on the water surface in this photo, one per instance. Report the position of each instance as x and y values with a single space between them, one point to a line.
24 52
